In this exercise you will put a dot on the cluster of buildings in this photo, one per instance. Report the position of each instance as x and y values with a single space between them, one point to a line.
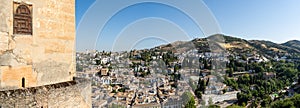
118 85
140 80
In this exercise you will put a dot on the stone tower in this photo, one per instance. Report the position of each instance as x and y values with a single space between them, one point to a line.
37 55
36 42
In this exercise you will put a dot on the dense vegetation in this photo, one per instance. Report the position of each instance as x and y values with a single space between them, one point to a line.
293 102
257 87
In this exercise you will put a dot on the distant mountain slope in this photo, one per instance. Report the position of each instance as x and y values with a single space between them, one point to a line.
272 49
293 44
236 46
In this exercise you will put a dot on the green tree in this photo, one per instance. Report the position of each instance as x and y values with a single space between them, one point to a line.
210 101
296 100
214 106
203 103
259 69
191 103
287 103
205 62
266 101
198 94
299 79
192 85
235 106
201 85
116 106
230 72
188 100
243 98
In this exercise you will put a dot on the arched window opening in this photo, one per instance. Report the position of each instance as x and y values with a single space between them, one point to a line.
23 20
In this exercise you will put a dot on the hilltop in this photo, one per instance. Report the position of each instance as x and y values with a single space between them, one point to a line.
235 45
293 44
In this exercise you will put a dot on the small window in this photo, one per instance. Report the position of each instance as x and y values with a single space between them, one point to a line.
23 82
22 19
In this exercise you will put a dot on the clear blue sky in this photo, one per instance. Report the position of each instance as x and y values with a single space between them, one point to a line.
276 20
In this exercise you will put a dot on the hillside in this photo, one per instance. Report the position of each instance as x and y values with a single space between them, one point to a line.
235 45
293 44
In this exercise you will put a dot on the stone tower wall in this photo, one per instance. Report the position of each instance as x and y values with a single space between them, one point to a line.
45 57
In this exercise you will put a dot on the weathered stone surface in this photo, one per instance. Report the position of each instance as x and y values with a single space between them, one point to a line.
12 76
45 59
3 41
8 59
71 94
53 39
23 49
55 71
56 47
3 21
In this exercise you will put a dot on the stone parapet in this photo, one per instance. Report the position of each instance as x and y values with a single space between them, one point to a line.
71 94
